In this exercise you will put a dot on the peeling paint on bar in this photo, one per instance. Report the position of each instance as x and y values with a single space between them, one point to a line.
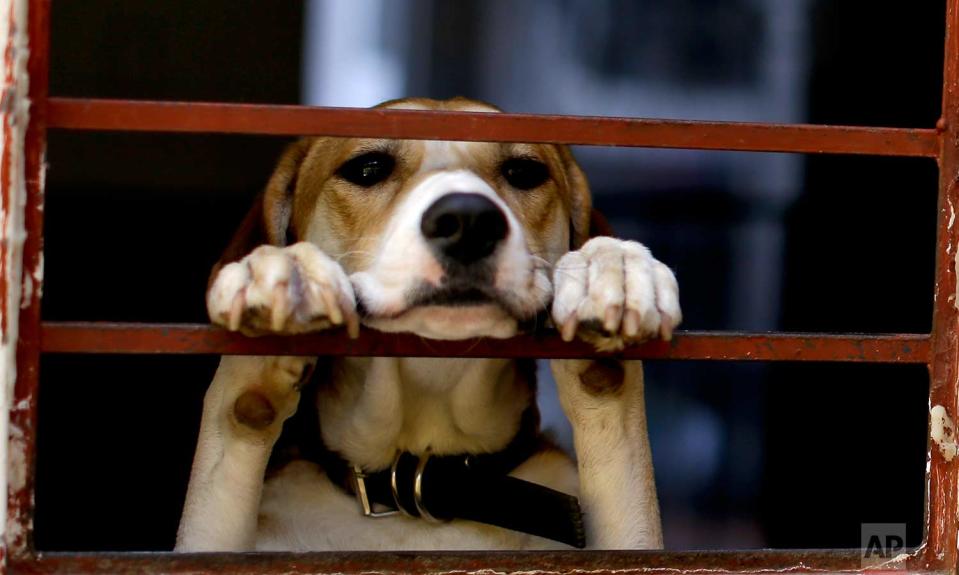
13 193
942 490
943 432
954 297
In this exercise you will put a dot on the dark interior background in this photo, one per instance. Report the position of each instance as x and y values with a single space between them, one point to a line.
772 455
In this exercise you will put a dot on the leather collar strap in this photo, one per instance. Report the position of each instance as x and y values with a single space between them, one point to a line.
473 487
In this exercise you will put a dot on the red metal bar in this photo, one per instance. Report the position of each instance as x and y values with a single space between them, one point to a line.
197 338
538 563
129 115
941 513
23 410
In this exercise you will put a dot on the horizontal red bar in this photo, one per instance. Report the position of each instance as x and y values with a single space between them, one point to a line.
130 115
465 563
197 339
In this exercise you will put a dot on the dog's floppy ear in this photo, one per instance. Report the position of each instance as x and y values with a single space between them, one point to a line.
268 221
585 221
580 200
278 195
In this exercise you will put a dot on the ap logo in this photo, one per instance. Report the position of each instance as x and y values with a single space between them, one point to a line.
882 541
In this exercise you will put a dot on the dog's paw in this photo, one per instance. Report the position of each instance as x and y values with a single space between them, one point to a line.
274 397
294 289
256 394
614 292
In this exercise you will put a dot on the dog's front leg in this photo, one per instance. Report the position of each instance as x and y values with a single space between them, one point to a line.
603 400
280 290
612 293
243 414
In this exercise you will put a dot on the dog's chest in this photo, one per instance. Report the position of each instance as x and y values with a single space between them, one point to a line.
301 510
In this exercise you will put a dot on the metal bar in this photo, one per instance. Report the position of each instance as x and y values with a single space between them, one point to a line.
198 339
23 410
131 115
473 563
940 551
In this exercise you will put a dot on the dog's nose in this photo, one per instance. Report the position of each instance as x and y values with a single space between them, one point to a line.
464 227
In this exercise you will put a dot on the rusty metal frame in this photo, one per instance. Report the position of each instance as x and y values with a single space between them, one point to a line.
127 115
80 337
939 350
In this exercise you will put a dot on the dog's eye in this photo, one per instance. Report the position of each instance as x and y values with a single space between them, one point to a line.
524 174
368 169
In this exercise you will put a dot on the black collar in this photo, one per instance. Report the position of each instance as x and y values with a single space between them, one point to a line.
476 487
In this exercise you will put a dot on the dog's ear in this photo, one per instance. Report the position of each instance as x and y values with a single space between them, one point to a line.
585 221
580 199
268 221
278 195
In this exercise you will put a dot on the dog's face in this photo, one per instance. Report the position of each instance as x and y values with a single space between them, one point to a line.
444 239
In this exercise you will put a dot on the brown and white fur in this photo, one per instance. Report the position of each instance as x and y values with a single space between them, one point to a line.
331 245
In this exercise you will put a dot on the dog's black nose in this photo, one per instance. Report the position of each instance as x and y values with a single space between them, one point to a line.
464 227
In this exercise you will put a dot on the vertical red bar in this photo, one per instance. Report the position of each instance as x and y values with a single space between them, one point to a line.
23 410
940 551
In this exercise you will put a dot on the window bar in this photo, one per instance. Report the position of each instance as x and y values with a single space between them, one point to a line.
23 409
83 337
450 563
134 115
939 552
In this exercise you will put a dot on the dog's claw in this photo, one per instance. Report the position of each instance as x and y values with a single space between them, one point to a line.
666 327
631 323
281 307
614 315
568 331
236 311
352 325
313 298
351 318
333 311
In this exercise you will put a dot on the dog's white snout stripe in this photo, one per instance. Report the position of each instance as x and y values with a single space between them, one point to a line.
459 182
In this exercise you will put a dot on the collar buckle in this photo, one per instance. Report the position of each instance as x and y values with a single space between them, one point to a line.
366 506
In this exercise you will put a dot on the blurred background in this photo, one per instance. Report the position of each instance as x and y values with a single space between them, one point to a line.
746 455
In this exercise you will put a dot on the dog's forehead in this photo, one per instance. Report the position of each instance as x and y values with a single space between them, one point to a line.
452 105
439 155
436 155
425 156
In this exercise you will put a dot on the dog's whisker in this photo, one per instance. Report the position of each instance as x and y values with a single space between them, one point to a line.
543 262
568 272
340 257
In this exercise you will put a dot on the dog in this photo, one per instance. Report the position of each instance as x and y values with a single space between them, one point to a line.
448 240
